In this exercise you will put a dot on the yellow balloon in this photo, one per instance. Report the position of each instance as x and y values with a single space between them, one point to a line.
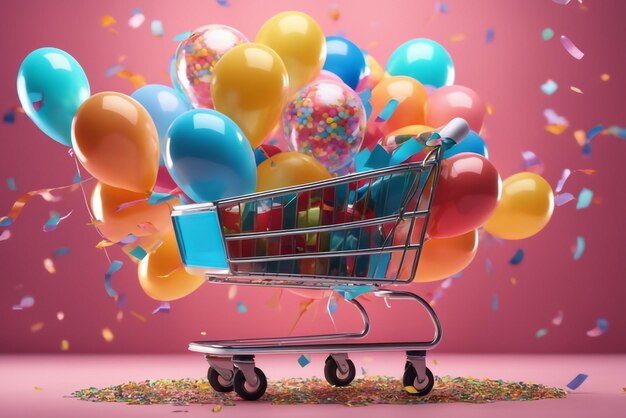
525 208
299 40
289 169
162 274
249 85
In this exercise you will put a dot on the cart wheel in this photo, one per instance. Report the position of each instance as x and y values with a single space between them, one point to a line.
334 376
217 382
410 379
247 391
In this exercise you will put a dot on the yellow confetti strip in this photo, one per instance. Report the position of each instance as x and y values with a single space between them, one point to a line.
605 77
107 21
513 281
575 89
556 129
138 316
49 265
65 345
137 80
217 408
580 137
334 13
104 243
37 388
410 389
490 109
37 326
107 334
435 361
457 37
60 316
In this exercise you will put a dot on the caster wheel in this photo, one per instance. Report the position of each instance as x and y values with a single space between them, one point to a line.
334 376
217 382
246 390
410 379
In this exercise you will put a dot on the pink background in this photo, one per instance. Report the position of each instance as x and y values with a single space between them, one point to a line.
507 73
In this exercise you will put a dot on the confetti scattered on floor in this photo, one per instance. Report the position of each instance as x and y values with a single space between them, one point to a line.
362 392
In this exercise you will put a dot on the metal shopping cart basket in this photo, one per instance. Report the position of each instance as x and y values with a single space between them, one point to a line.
361 229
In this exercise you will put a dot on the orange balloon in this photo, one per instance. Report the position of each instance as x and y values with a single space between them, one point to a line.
444 257
162 274
116 217
116 141
289 169
411 96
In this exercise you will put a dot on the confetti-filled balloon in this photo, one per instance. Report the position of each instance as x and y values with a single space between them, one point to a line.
327 120
196 57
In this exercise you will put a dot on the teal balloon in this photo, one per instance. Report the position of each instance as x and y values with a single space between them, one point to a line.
345 59
472 143
164 104
424 60
209 157
51 85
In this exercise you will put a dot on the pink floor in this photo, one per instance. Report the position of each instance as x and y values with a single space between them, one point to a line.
58 375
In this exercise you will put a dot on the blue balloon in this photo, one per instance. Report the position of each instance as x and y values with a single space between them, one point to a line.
51 86
472 143
424 60
209 157
164 104
345 59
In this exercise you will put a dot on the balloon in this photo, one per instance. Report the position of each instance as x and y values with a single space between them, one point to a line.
374 73
466 195
449 102
196 58
326 75
345 59
51 86
119 213
162 275
410 96
444 257
209 157
289 169
299 41
525 208
472 143
249 85
327 120
164 104
117 142
424 60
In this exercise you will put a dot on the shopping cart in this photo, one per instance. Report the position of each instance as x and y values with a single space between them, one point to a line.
350 233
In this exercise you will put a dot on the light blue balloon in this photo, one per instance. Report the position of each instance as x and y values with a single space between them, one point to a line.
209 157
164 104
51 86
424 60
345 59
472 143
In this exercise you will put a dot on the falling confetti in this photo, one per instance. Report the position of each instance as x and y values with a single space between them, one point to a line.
571 48
562 2
513 281
549 87
575 89
232 292
107 21
441 7
223 3
137 80
25 303
164 307
11 184
107 334
54 221
65 345
577 381
563 198
36 327
457 37
605 77
584 198
580 247
517 257
156 27
9 117
541 333
111 71
137 19
61 251
334 13
352 292
532 162
489 36
216 408
241 308
138 252
494 302
387 111
138 316
182 36
113 267
60 316
304 360
547 34
558 319
601 326
6 234
48 264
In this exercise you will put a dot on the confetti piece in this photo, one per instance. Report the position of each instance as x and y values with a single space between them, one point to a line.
6 234
60 316
494 302
65 345
563 198
553 118
25 303
156 27
584 198
575 89
577 381
304 306
182 36
571 48
156 198
49 265
232 292
202 332
366 96
547 34
605 77
113 267
107 21
457 37
54 221
223 3
580 247
19 204
490 109
387 111
216 408
410 389
11 184
332 305
549 87
62 251
617 131
241 308
559 186
488 265
352 292
9 117
558 319
441 7
541 333
532 162
334 13
138 316
489 36
137 80
601 326
36 327
110 72
513 281
164 307
517 257
303 360
121 301
561 2
107 334
556 129
594 131
136 20
37 388
138 252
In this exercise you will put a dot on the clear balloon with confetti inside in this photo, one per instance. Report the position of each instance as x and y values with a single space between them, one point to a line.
196 57
326 119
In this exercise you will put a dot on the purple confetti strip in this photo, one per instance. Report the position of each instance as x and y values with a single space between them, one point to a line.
25 303
552 118
9 117
54 221
6 234
164 307
138 252
122 301
577 381
563 198
571 48
566 173
223 3
489 35
517 257
488 265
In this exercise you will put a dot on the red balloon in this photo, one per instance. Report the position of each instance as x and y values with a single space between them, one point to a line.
449 102
467 193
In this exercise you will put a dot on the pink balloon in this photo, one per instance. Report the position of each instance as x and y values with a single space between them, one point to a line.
327 75
164 182
449 102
